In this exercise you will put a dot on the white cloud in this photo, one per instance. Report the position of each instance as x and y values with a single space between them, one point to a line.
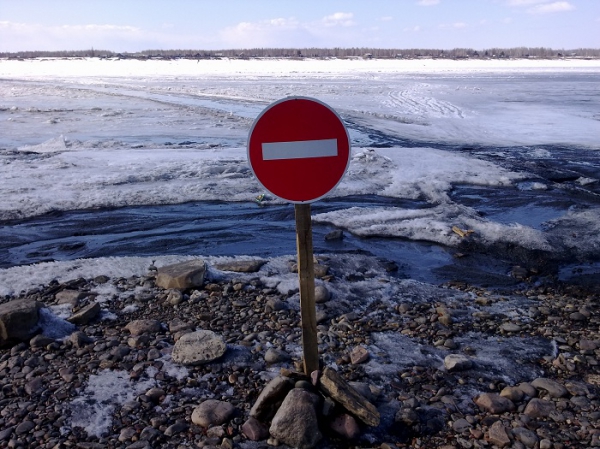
525 2
455 25
546 8
428 2
344 19
542 6
386 19
415 29
288 32
263 33
31 36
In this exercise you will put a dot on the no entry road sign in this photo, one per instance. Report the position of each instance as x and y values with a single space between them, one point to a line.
299 149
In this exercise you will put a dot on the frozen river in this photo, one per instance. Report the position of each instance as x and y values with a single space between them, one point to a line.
143 158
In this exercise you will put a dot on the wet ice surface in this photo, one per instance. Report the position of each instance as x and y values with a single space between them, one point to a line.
139 158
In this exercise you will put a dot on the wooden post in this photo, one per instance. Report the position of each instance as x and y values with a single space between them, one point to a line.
306 275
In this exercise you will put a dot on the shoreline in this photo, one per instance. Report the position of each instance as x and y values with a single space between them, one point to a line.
240 68
540 348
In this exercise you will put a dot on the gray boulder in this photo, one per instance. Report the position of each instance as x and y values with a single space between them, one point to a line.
198 348
212 413
295 423
271 398
18 320
182 275
85 314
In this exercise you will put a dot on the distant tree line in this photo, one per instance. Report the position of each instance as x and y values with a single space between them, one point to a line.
354 52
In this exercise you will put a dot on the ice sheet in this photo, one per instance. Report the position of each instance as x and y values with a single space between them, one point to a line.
91 133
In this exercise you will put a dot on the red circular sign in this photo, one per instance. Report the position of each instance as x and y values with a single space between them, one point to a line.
299 149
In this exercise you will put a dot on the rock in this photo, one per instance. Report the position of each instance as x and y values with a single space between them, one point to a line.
295 423
525 436
444 315
212 413
126 434
497 435
155 394
338 234
554 389
359 355
85 314
345 426
18 320
67 373
515 394
255 430
275 304
40 341
176 428
34 386
587 345
494 403
271 398
519 273
510 327
332 384
197 348
139 327
175 297
321 270
527 389
461 425
241 266
457 362
276 356
6 433
182 275
24 427
79 339
70 297
322 294
539 408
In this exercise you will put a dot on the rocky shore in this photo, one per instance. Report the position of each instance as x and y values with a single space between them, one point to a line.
451 366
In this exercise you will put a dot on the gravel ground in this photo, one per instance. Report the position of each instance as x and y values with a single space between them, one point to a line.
102 387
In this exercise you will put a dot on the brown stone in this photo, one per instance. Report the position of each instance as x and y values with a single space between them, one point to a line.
182 275
332 384
359 355
85 314
345 426
18 319
539 408
241 266
139 327
271 398
255 430
70 297
212 413
494 403
296 423
497 435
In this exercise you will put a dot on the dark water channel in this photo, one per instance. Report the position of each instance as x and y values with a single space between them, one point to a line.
203 228
229 229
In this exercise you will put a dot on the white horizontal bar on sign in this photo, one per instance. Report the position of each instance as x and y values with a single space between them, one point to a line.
301 149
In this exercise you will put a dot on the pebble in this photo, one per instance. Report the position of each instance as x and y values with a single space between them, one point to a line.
39 379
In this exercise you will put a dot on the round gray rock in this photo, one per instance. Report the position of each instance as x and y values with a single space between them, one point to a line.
212 413
457 362
197 348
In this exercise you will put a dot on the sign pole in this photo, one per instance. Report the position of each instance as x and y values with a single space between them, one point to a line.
306 274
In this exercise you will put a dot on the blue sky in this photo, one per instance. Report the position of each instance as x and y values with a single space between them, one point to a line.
134 25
